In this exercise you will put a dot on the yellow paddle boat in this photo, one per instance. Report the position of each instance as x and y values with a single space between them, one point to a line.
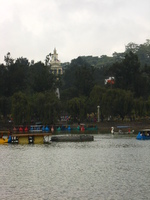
5 140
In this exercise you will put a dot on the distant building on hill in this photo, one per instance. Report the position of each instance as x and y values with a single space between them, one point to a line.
55 64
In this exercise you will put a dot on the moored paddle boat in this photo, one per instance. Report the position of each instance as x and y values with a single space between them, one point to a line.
91 127
5 140
122 130
35 128
143 134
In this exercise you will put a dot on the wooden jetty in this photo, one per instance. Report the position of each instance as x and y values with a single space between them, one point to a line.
29 138
4 132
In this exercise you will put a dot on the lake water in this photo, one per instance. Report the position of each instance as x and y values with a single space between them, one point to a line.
109 168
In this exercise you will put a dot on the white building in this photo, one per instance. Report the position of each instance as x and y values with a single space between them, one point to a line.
55 64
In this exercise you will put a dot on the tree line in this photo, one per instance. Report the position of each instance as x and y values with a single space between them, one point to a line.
28 90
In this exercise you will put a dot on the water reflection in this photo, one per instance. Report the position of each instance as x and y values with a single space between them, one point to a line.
107 168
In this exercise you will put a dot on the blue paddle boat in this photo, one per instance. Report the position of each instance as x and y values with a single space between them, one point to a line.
144 134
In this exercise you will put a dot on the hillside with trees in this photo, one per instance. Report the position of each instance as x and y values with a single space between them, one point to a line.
142 51
28 89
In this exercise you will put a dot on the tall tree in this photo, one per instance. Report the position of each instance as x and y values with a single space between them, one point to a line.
40 78
3 80
20 108
78 108
117 102
5 106
8 59
45 107
17 78
84 80
127 72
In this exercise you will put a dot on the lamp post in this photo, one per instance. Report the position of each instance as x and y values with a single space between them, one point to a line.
98 107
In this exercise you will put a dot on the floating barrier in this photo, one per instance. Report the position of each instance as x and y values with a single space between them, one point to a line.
72 138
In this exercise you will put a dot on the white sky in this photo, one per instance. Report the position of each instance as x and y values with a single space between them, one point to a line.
33 28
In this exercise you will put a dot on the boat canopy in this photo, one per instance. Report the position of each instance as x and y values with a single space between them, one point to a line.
145 130
123 127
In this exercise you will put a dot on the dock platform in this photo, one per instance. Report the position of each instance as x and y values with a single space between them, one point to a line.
29 138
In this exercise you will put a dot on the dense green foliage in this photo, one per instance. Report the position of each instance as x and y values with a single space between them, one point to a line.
27 90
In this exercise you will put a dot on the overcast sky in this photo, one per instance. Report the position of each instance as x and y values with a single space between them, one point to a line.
33 28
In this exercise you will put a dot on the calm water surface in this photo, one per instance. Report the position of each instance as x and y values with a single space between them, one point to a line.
109 168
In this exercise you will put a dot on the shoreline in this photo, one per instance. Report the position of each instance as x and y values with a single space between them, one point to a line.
103 127
134 125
